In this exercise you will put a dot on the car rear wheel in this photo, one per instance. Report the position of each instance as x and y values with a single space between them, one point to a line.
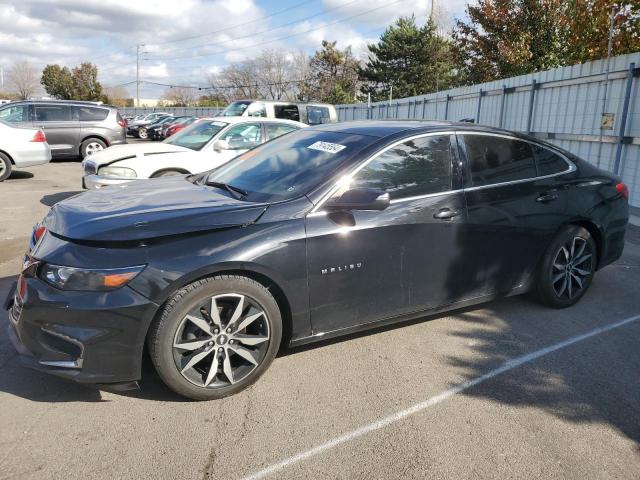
567 269
5 167
216 337
91 146
142 133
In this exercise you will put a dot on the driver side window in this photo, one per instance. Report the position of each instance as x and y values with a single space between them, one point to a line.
243 136
420 166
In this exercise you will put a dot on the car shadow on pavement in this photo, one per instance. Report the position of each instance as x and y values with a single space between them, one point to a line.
51 200
19 175
591 382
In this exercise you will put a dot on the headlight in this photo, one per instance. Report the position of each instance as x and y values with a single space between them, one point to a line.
117 172
70 278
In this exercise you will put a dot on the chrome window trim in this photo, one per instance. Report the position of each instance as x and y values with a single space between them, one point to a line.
426 195
570 164
333 189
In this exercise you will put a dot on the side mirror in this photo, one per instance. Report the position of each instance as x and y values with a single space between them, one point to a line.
220 145
360 199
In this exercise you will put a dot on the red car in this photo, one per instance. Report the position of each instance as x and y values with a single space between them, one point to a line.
176 127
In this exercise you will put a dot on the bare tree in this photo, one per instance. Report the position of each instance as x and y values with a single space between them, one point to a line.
179 97
118 96
272 75
24 79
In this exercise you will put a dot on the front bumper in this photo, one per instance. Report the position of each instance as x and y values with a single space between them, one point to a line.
96 181
88 337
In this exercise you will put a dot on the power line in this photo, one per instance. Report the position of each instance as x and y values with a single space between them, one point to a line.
281 38
222 87
279 12
171 85
268 30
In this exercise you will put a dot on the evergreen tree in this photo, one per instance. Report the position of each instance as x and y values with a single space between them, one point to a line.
413 60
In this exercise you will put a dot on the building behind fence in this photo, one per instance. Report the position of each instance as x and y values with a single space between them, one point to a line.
177 111
582 108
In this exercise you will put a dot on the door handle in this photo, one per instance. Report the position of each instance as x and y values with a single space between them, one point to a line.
547 197
446 214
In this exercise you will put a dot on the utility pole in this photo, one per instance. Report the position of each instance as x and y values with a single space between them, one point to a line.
138 73
432 15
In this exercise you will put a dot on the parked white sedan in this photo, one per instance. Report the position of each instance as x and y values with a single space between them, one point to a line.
204 145
21 147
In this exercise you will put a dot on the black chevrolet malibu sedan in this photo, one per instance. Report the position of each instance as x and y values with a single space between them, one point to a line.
325 231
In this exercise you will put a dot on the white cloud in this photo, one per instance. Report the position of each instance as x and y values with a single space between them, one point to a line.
185 39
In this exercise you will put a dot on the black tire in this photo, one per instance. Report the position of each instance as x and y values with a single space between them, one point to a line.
172 322
167 173
91 146
142 133
575 275
5 167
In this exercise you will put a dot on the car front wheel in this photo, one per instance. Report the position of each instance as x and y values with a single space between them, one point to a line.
216 337
142 133
5 167
567 269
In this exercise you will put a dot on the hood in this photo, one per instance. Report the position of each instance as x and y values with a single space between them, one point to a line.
128 150
148 209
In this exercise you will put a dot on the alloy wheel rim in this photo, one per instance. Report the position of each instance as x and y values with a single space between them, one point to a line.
221 341
142 133
3 168
94 147
571 268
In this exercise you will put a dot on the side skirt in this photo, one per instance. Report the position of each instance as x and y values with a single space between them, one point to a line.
406 317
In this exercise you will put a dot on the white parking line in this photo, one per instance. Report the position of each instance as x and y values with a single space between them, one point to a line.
418 407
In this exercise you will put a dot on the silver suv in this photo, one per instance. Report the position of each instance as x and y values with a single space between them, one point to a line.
72 128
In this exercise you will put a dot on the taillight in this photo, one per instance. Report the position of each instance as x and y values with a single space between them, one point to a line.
623 190
39 232
122 123
39 137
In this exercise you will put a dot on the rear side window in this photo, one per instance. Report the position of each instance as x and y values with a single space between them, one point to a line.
15 114
417 167
257 109
316 114
54 113
548 161
288 112
243 136
497 159
274 130
89 114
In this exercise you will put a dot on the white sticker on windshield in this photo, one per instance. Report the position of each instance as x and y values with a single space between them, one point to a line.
327 147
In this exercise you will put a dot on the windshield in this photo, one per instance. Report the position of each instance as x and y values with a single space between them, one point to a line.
289 166
236 109
197 135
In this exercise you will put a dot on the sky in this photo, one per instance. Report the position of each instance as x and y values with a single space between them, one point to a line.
186 40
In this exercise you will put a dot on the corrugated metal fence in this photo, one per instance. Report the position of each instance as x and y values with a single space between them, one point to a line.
177 111
563 106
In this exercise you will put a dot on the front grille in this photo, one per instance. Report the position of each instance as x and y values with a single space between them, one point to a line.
89 168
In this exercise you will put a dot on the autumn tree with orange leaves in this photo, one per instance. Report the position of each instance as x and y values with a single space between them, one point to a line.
504 38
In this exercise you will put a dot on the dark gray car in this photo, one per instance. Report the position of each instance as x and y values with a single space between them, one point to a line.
72 128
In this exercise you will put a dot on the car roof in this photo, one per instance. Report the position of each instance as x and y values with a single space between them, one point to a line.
385 128
64 102
283 102
232 120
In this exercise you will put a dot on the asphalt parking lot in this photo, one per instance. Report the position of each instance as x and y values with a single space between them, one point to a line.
428 399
